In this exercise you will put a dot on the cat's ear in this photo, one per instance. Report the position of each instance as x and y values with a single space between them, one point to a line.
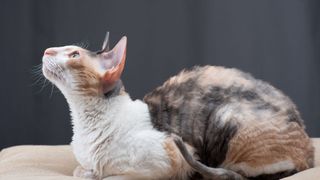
113 64
105 46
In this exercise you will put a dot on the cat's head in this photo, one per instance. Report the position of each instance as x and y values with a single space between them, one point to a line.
80 71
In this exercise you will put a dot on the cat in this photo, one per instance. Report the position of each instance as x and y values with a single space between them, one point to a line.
233 121
205 123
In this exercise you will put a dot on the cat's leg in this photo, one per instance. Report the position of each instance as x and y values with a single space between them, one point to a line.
84 173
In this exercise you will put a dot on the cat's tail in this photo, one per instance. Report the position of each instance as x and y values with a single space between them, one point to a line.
207 172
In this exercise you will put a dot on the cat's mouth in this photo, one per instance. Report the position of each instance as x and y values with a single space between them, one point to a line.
52 70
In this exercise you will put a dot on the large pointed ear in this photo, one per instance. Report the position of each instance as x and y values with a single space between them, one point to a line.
113 64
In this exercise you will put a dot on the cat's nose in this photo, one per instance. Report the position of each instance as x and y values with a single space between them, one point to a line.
50 52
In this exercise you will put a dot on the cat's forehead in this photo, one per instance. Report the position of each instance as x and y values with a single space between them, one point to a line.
68 48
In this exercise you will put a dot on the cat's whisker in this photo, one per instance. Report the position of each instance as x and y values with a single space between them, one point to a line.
52 88
37 81
43 85
37 75
36 68
60 69
38 65
54 65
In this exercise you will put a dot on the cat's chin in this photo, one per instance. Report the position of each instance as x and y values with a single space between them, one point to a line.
53 78
51 73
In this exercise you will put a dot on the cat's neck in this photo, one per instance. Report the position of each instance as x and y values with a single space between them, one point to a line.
89 110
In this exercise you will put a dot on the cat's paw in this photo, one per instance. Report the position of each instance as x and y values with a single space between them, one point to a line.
84 173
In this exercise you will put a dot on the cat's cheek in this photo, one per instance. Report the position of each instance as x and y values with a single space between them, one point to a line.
74 64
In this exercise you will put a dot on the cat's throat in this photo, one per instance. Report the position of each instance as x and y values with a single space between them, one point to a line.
95 125
90 111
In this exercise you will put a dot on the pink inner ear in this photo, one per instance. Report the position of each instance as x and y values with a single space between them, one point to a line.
114 57
113 62
108 60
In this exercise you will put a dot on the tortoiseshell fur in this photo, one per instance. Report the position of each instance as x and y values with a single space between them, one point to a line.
233 121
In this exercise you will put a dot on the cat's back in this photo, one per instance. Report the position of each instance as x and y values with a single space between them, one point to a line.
215 89
228 116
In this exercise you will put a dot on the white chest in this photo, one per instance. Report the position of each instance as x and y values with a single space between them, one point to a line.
118 139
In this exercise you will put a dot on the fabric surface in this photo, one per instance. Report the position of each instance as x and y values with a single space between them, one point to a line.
37 162
58 163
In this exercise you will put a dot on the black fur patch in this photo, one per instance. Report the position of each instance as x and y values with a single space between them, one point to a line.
216 142
294 116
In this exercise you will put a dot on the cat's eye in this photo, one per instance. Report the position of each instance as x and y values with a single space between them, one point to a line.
74 54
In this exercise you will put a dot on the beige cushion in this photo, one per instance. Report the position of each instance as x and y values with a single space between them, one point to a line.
58 163
37 163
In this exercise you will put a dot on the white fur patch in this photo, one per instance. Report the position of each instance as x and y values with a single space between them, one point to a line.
115 137
267 169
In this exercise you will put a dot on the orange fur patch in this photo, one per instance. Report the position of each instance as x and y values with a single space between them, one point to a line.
88 80
180 168
267 142
172 152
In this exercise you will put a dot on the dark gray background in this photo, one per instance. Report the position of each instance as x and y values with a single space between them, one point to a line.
277 41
